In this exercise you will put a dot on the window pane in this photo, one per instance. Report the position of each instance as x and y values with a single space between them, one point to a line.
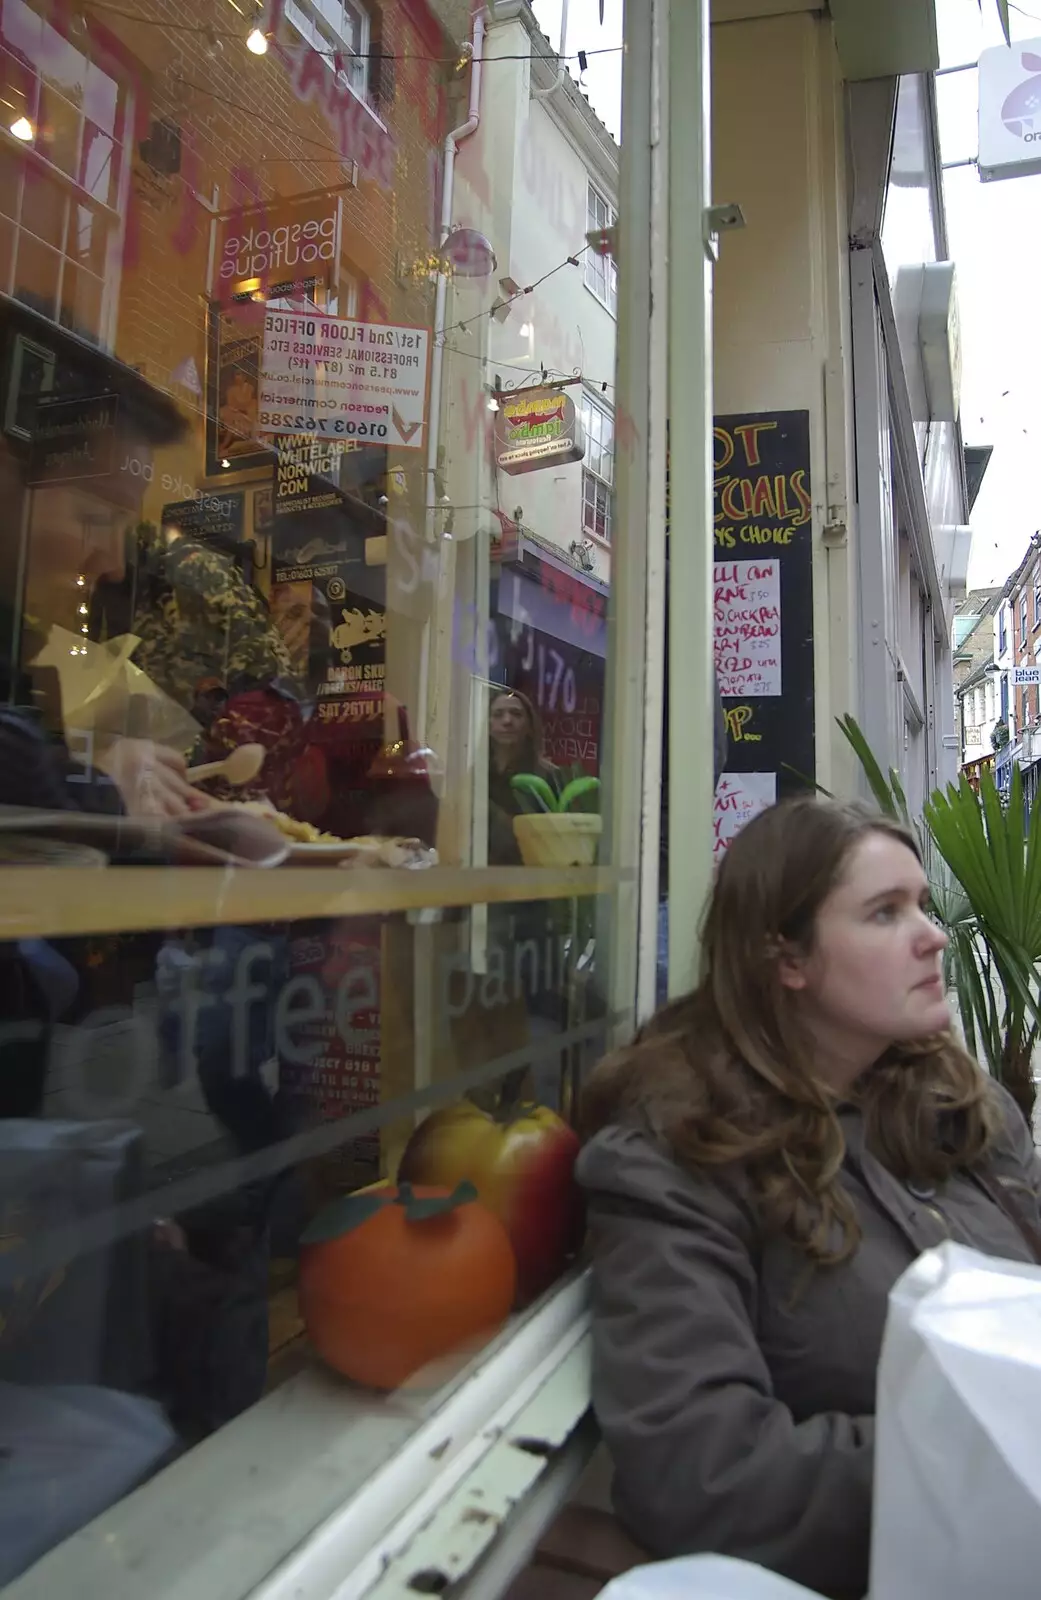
10 184
59 131
36 274
43 208
273 506
81 302
99 164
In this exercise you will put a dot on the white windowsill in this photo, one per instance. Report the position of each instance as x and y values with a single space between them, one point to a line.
304 1488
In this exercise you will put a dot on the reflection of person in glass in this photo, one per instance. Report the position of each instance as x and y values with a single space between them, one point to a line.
515 746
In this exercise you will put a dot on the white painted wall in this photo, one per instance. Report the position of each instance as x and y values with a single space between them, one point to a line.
522 180
782 326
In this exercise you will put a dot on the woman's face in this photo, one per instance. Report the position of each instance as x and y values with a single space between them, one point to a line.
873 977
508 721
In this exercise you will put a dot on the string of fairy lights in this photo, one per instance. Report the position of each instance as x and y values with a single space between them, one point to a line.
258 37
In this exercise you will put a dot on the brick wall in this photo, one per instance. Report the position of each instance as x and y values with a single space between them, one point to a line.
248 136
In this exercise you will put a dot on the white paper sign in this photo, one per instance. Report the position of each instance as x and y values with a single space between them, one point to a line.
335 378
1021 675
748 628
740 796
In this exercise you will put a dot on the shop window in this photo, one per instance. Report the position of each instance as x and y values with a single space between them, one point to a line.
244 519
60 227
340 31
598 471
601 271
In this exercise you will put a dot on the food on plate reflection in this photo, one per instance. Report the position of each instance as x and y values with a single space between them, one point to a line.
393 1279
521 1160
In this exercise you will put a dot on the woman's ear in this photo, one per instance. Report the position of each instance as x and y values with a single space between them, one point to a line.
791 965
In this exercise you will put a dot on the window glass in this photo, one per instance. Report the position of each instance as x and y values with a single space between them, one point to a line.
601 273
310 840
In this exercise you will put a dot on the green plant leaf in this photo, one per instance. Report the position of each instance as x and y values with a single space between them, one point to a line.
577 789
530 786
885 799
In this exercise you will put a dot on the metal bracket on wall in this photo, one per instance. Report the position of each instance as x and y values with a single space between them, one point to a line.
717 220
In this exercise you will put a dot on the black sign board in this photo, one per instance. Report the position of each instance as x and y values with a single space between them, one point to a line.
74 439
763 524
87 441
211 516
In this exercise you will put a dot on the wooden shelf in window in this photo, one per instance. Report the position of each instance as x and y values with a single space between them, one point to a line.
52 902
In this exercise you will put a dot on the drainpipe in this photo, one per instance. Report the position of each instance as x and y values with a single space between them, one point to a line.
544 94
452 143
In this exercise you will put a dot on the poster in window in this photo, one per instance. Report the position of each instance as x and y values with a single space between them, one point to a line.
234 340
763 610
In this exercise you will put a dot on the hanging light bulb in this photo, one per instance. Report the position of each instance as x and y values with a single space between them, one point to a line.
257 42
81 581
83 611
22 129
225 462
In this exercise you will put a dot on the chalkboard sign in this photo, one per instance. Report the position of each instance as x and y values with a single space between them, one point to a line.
763 524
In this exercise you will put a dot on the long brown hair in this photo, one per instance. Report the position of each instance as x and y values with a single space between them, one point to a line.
724 1075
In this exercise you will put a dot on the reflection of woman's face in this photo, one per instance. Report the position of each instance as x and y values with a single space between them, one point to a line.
508 721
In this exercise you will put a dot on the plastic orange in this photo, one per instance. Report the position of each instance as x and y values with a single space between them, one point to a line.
396 1278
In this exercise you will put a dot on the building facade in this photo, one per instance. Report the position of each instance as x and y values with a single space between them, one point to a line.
976 690
1017 659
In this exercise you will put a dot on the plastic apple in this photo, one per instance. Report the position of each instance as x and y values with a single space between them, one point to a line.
521 1160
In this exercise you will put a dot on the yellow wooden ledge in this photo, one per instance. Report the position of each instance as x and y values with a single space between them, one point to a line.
51 902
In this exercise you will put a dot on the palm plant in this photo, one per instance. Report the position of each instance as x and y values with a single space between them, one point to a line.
984 869
1003 18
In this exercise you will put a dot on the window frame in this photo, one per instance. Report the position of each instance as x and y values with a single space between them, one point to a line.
76 196
601 271
1037 598
358 77
602 483
1023 618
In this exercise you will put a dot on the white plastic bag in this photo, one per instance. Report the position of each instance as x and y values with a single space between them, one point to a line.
957 1511
703 1578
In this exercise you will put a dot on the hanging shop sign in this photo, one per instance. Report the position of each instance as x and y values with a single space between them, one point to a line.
1026 675
1010 111
537 428
278 247
763 611
335 378
212 516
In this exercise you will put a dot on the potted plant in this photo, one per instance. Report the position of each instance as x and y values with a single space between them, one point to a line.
557 830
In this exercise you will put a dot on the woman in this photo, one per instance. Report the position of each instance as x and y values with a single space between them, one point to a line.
515 746
765 1161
